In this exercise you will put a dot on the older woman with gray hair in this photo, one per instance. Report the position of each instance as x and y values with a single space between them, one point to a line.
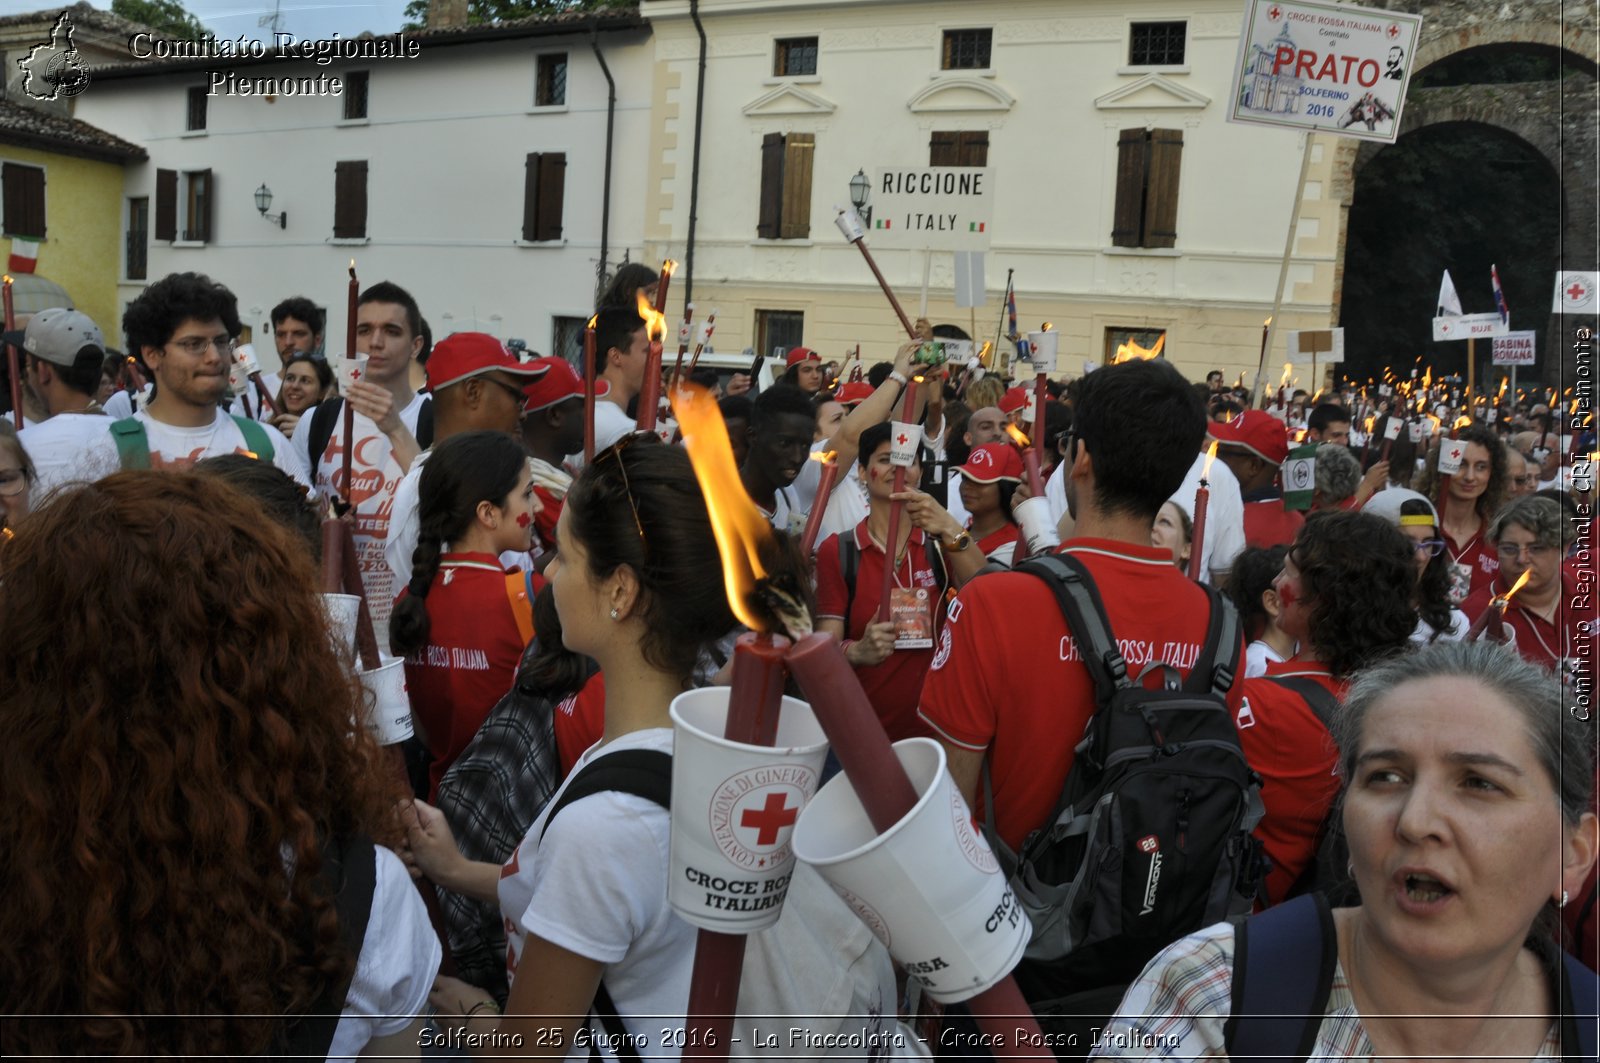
1338 476
1547 615
1467 805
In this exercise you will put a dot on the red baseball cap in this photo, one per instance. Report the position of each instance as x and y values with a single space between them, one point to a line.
557 382
461 355
801 354
854 392
1013 400
1256 431
993 462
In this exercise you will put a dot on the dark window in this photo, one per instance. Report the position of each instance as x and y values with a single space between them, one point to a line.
544 184
959 149
785 209
566 340
967 49
23 200
355 94
166 204
1157 44
138 237
551 90
350 199
778 332
795 56
197 107
1146 213
197 199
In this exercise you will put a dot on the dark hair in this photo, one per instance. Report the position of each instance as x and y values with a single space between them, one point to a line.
111 365
622 292
1350 565
319 366
1325 414
284 498
671 549
736 407
1494 495
1253 572
705 376
1141 425
614 327
878 372
86 371
1226 406
390 292
427 343
547 669
1433 587
301 309
1057 423
152 318
778 400
462 471
950 332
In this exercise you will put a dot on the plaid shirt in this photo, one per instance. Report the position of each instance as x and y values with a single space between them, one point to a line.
1177 1008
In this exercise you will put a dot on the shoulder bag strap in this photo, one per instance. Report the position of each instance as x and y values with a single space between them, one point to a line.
323 419
133 443
1313 693
1079 600
255 437
1278 997
849 561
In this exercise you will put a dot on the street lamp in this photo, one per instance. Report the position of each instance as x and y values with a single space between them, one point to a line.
263 201
860 192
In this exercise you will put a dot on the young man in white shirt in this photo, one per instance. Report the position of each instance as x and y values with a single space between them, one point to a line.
64 350
182 328
624 346
296 329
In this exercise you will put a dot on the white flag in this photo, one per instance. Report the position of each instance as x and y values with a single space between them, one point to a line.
1575 293
1449 301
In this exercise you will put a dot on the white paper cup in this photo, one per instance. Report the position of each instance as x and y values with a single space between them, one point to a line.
352 370
1043 347
929 887
1450 454
903 443
342 610
238 381
1033 517
849 223
388 707
244 356
734 808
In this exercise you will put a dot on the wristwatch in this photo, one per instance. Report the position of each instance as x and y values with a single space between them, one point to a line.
960 543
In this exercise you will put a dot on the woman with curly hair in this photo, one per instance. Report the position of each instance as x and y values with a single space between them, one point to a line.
1418 521
1337 599
190 816
307 380
1470 498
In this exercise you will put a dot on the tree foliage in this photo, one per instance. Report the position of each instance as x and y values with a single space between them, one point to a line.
479 11
168 17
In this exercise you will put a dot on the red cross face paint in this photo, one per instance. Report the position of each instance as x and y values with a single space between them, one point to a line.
524 520
1294 614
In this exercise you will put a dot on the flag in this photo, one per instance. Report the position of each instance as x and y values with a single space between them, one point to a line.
1011 310
1449 301
1500 297
1300 477
24 255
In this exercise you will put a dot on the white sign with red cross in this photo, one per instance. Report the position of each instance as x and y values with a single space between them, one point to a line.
1575 293
1450 454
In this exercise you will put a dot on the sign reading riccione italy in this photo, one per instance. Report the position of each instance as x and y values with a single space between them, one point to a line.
1322 67
941 208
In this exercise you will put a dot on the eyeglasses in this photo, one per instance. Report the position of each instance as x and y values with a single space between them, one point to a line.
12 483
194 346
615 451
1525 481
1431 547
1513 551
514 392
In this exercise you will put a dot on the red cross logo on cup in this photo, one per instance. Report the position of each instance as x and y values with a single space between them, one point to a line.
355 374
769 819
902 439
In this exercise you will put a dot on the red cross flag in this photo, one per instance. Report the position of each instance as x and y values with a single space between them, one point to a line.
1575 293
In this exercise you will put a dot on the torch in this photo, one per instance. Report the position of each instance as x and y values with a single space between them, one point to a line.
656 329
588 390
849 223
12 361
1043 345
706 330
1032 513
905 438
1493 616
683 341
830 475
1202 499
662 285
349 411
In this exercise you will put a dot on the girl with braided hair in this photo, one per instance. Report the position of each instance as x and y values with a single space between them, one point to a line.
463 621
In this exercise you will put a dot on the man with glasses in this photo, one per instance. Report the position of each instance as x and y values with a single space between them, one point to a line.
182 329
1522 475
1547 615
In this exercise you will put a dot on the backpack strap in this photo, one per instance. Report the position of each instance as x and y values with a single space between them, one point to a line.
133 443
1222 637
643 773
1315 695
256 438
519 592
1079 600
323 418
1579 994
849 563
425 424
1278 997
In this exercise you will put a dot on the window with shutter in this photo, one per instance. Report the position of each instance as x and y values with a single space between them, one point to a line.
1146 211
798 150
968 148
795 57
197 107
198 196
22 199
543 194
771 206
355 94
138 239
166 204
350 199
550 85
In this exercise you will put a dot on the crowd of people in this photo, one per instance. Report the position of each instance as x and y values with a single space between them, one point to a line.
205 857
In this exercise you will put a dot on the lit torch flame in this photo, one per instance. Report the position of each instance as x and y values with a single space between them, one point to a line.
1211 456
1127 352
1505 599
655 322
7 279
1283 381
1463 422
1427 379
1502 393
826 457
1018 436
983 353
1370 422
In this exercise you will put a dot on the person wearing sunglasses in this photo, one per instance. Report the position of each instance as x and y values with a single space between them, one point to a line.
1418 521
1548 615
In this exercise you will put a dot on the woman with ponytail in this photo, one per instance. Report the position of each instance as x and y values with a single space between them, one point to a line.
463 621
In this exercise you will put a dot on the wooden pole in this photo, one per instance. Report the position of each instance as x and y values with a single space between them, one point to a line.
1283 268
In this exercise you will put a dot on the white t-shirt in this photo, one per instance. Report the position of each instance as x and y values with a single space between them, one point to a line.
953 504
596 885
65 450
1224 538
175 447
1055 492
119 405
399 958
376 474
257 409
1257 656
847 505
404 525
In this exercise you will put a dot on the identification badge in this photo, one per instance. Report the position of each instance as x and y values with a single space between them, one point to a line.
911 612
1460 581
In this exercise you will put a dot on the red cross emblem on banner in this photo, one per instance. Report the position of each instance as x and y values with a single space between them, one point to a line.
769 819
1393 31
1577 291
1274 12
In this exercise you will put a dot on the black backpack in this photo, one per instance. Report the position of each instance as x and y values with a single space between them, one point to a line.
326 414
1150 839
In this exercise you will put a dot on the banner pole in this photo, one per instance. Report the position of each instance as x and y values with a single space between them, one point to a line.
1283 269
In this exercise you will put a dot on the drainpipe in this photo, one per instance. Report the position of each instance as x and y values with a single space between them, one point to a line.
605 200
694 174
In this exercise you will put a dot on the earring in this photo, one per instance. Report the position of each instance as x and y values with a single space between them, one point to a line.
1350 869
615 615
1563 903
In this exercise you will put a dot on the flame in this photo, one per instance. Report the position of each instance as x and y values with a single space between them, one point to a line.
7 532
1047 327
1463 422
1427 379
7 279
1127 352
1436 424
1211 456
739 527
1502 392
1370 422
592 322
826 457
984 352
1505 599
1267 322
655 322
1018 436
1283 381
667 267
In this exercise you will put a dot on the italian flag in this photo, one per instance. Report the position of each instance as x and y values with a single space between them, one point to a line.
882 223
976 226
24 255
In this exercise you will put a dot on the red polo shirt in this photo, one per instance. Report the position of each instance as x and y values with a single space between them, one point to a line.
1539 640
580 720
894 686
470 661
1007 678
1267 523
1480 558
1298 763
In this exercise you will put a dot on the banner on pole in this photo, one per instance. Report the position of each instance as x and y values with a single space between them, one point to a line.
939 208
1514 348
969 278
1324 68
1300 477
1469 327
1326 344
